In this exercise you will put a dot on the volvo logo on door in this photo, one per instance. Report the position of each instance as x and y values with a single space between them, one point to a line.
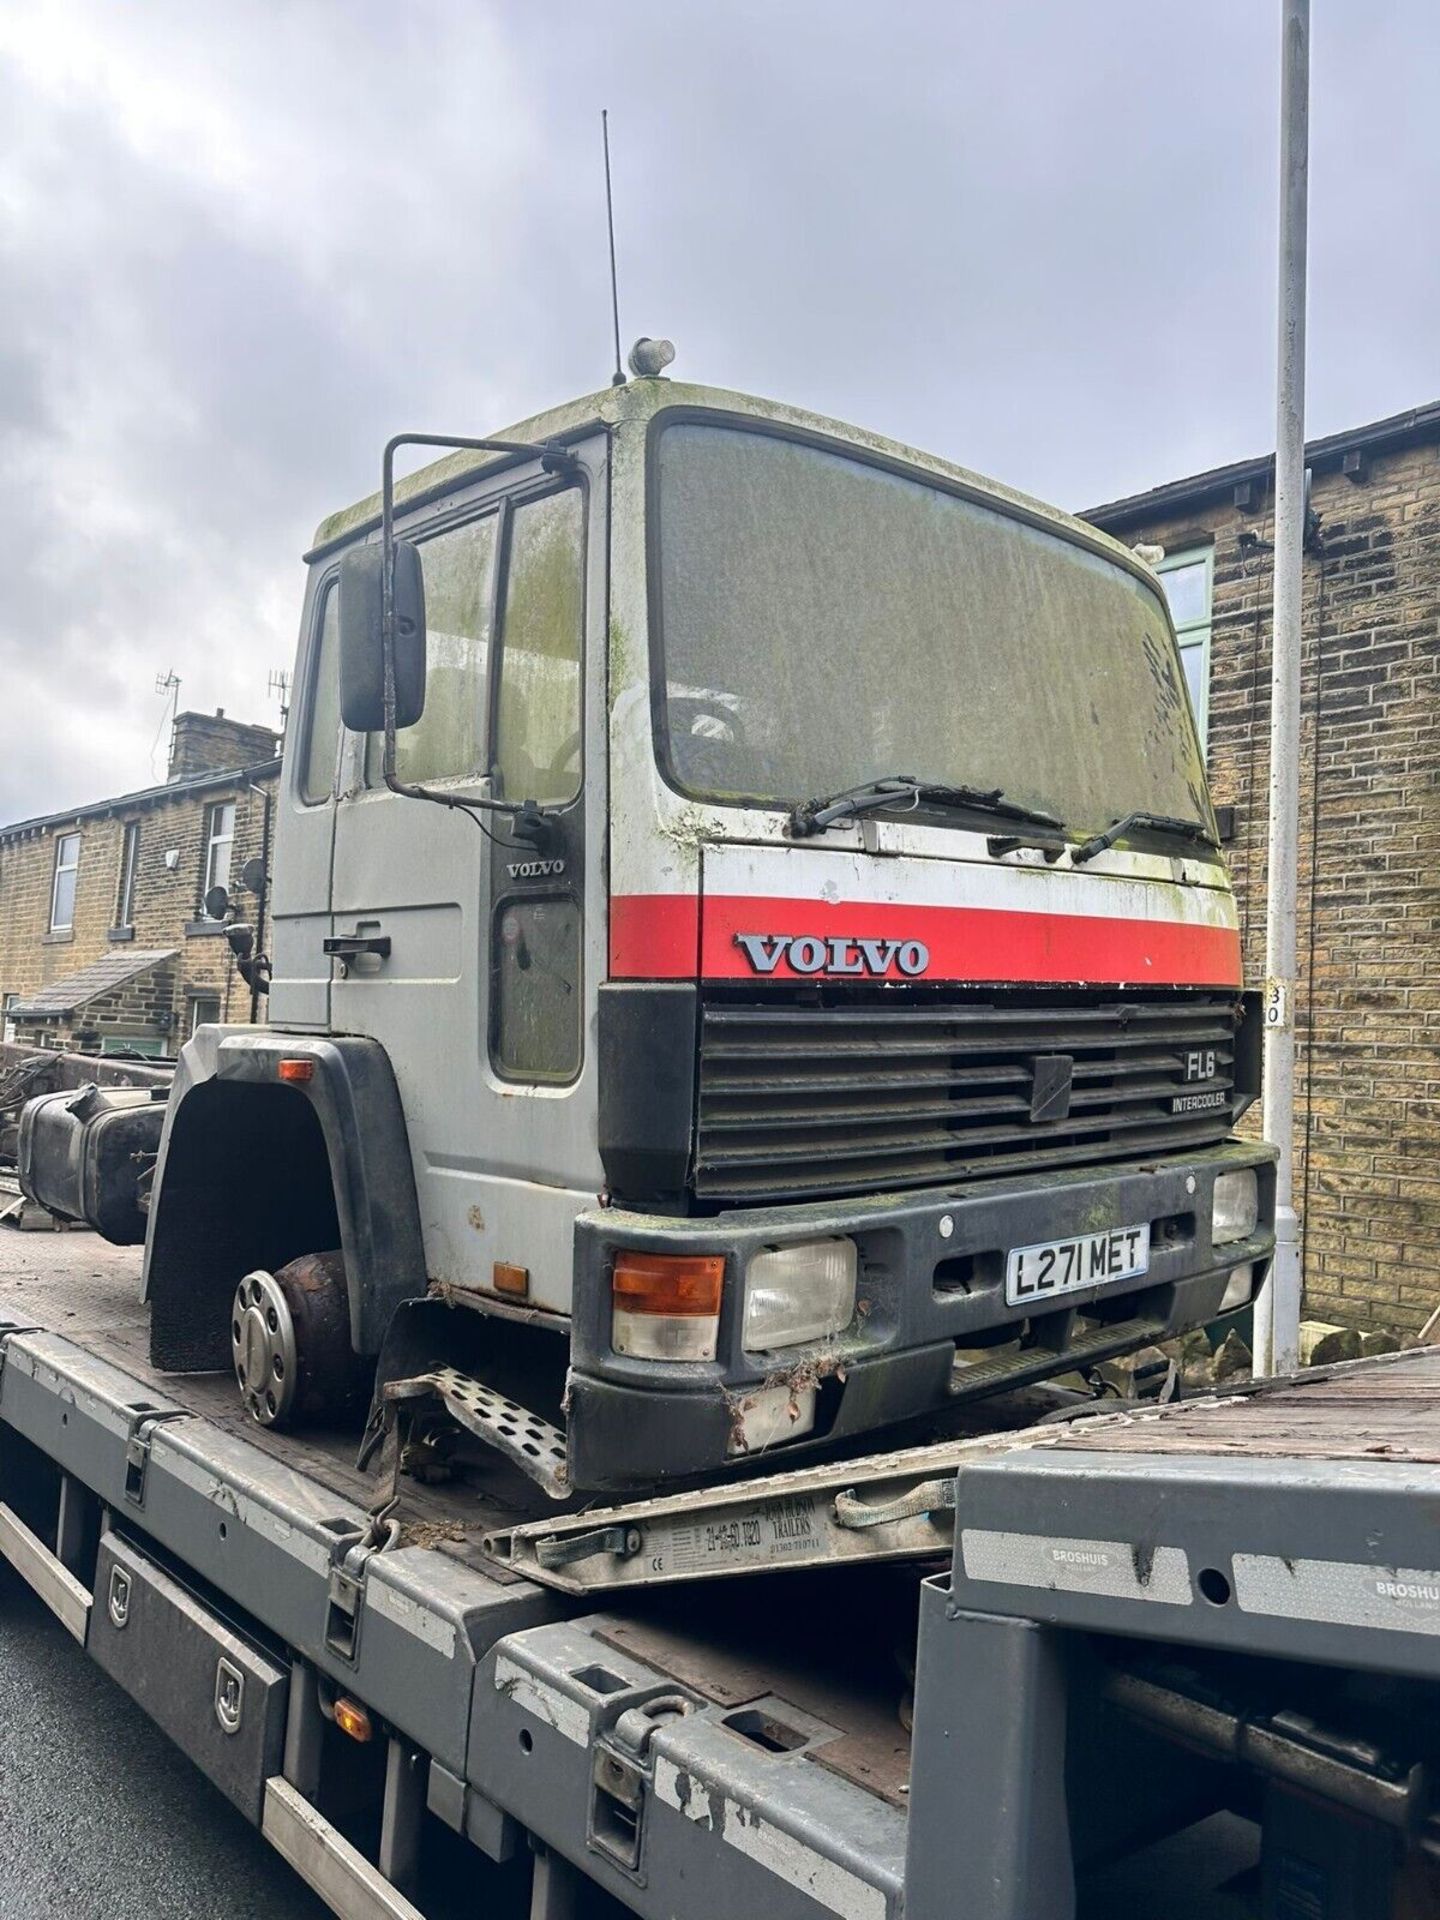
534 869
810 953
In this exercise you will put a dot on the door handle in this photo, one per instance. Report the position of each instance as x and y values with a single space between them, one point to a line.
350 946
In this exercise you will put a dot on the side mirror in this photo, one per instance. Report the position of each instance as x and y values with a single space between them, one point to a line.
240 939
362 658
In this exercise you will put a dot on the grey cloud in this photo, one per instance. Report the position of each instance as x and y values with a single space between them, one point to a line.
238 247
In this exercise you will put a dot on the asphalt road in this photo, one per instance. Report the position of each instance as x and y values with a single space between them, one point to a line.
99 1814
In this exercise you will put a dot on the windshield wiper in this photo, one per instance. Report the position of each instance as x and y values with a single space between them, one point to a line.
903 790
1193 830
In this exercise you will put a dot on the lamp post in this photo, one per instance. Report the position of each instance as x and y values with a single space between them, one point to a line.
1277 1309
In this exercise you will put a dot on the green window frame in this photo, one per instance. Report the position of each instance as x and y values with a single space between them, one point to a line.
1188 577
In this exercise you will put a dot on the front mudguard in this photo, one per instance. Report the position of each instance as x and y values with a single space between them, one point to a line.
255 1170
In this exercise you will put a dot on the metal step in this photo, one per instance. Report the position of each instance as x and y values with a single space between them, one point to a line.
526 1440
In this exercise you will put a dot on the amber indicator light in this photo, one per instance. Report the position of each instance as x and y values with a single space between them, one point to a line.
679 1284
352 1718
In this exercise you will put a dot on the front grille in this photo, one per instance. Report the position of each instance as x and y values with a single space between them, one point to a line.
803 1100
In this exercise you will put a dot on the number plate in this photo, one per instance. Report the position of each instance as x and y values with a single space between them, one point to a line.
1068 1266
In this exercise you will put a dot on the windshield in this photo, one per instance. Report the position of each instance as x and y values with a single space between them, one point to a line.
824 622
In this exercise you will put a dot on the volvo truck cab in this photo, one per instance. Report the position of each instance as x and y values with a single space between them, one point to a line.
778 978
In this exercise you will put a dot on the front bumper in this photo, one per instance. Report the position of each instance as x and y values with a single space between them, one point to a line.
931 1293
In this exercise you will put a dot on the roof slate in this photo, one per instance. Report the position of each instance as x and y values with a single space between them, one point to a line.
144 797
1417 424
77 990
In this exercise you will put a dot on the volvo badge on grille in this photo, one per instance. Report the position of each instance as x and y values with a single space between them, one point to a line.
809 953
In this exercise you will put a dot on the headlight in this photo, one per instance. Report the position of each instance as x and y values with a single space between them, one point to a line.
1238 1289
1236 1207
793 1294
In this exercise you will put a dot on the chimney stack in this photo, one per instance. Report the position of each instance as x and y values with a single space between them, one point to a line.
209 743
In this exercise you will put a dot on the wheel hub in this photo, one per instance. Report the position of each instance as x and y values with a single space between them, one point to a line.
262 1342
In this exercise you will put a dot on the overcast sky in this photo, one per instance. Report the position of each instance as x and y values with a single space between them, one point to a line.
241 245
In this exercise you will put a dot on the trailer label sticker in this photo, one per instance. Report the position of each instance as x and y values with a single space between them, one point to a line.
569 1718
825 1880
1068 1266
765 1535
209 1480
1116 1569
1340 1593
412 1616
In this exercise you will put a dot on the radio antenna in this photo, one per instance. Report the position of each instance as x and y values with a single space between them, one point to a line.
617 379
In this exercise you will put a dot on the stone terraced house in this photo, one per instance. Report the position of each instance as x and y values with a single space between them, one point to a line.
1368 1004
105 944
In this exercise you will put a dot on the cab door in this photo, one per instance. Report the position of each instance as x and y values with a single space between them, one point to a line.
459 947
304 839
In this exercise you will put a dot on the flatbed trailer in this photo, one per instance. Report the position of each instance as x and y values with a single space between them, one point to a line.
1098 1632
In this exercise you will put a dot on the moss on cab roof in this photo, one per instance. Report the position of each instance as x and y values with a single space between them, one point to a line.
639 399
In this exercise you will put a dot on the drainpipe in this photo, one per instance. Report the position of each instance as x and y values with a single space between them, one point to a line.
1277 1308
262 898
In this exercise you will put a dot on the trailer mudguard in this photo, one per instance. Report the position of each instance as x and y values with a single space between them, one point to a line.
256 1169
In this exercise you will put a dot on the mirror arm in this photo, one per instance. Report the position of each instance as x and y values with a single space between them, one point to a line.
553 458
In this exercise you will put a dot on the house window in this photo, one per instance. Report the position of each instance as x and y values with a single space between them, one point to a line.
131 1046
1188 579
129 861
219 839
62 893
204 1009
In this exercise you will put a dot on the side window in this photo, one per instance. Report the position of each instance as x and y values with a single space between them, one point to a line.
1186 578
535 1019
449 741
322 711
537 731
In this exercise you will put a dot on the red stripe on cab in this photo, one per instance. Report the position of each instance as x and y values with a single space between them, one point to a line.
659 936
654 936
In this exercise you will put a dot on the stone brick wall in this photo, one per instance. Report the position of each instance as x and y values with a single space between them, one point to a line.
167 909
1368 1005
